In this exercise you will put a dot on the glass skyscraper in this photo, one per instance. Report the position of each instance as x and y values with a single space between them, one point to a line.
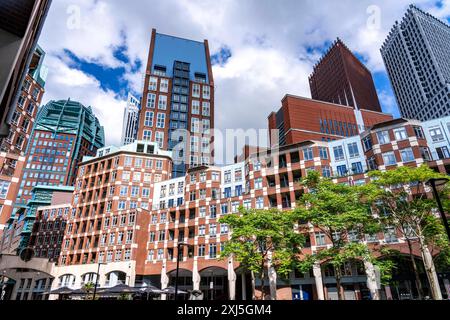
177 108
417 57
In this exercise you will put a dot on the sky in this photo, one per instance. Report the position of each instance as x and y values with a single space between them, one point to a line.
261 49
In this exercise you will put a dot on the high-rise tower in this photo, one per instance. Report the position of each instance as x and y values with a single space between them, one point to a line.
130 120
178 100
340 78
64 132
417 57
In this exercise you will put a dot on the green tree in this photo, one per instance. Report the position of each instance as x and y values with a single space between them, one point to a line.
88 288
265 243
341 212
401 199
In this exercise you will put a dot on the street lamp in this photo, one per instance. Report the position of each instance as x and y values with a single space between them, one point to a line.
96 279
181 244
434 184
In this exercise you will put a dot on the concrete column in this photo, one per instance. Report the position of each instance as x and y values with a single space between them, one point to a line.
372 283
196 276
244 286
164 280
231 280
272 278
447 287
388 292
318 279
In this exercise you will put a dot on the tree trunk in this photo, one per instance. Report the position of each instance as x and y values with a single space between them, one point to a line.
272 274
430 270
416 272
372 283
253 286
263 290
338 276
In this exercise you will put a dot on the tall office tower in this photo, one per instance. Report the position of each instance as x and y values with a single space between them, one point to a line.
178 100
339 77
64 132
130 120
417 57
30 97
21 22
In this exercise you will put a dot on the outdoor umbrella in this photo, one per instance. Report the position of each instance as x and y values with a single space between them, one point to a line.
171 290
63 290
120 288
150 289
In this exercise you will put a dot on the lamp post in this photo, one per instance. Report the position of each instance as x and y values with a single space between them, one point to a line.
181 244
434 184
96 279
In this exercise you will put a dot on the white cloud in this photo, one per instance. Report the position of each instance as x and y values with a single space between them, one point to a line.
269 41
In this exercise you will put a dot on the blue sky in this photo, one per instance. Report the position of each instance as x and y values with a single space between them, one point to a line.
261 49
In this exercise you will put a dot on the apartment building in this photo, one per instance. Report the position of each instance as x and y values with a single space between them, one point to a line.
29 100
136 233
18 231
11 166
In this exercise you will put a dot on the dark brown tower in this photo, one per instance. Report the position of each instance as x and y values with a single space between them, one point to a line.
339 77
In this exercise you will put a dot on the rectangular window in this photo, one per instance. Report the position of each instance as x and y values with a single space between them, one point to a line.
383 137
323 153
206 112
353 150
342 170
418 131
425 153
164 85
206 92
212 250
148 121
407 155
443 153
147 135
153 84
326 171
196 90
367 143
400 134
338 153
195 107
258 184
4 187
162 102
436 135
357 168
159 138
320 239
151 100
389 159
308 154
161 119
195 125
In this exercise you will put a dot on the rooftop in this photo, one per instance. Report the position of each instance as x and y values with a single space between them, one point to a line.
169 49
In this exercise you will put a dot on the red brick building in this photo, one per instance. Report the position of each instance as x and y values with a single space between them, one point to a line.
11 166
339 77
105 220
301 119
